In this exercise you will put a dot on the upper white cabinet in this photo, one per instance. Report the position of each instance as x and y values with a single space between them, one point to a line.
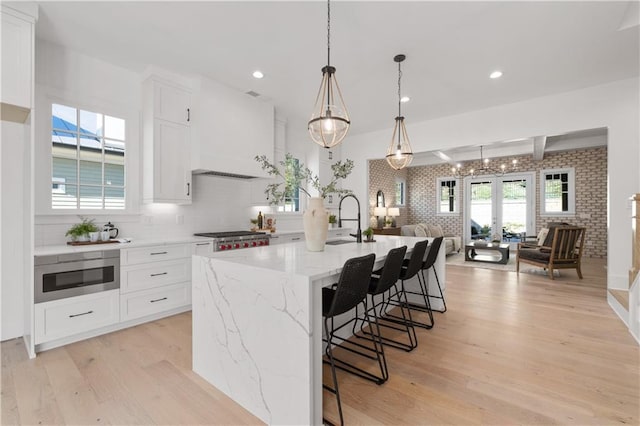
229 130
167 145
17 64
171 104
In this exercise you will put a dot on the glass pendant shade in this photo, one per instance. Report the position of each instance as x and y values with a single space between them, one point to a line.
329 121
399 154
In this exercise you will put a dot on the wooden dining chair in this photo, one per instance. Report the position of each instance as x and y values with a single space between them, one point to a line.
564 252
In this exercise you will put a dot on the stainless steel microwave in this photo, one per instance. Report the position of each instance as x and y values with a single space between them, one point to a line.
75 274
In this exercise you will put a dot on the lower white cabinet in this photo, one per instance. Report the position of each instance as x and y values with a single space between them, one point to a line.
147 302
65 317
154 279
202 248
286 238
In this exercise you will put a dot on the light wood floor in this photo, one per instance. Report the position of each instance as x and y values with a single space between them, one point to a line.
510 350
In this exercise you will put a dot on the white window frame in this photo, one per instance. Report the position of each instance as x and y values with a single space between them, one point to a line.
403 201
456 196
45 214
571 191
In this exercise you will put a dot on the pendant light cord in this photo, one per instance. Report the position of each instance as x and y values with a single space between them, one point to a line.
328 32
399 91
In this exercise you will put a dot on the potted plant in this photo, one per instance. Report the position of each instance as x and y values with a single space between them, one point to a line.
254 224
368 233
387 223
293 174
332 220
80 231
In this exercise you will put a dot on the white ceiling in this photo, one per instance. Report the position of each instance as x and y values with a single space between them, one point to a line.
451 47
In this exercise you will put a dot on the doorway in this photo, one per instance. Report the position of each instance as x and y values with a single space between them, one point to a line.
499 208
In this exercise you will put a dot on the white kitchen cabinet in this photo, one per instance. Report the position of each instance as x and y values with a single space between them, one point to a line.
17 64
328 157
152 301
166 142
202 248
293 237
155 279
65 317
231 129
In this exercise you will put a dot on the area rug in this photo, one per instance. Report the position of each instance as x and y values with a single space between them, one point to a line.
457 259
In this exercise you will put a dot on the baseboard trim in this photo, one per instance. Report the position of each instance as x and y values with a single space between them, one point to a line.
618 309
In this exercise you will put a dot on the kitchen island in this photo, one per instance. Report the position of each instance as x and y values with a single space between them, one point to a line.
257 322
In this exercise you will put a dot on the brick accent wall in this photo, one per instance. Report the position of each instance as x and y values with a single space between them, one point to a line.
383 177
591 192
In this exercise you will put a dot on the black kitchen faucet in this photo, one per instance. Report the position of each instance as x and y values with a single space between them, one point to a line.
358 233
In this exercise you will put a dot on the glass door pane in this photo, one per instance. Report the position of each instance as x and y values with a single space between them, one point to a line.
481 209
513 208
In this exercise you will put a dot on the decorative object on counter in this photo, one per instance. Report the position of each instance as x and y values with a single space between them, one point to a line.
393 212
293 173
94 236
260 220
104 236
254 222
329 121
80 231
368 233
399 154
111 229
333 221
387 223
271 224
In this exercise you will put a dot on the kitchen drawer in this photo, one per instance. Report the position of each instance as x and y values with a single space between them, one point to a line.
154 254
151 275
286 238
66 317
147 302
202 248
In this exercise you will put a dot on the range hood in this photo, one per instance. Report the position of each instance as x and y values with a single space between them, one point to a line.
222 174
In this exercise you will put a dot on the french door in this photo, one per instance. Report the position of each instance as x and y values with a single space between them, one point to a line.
499 208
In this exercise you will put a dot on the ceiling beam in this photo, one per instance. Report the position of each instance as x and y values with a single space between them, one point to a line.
539 143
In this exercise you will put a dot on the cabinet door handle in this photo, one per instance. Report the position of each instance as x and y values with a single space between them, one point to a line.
160 252
188 115
157 300
77 315
202 244
295 239
161 273
188 189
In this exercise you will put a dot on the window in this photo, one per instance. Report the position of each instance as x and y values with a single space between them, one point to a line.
401 191
292 191
88 160
447 196
557 191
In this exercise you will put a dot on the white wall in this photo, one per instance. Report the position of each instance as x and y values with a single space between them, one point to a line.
613 105
218 203
13 148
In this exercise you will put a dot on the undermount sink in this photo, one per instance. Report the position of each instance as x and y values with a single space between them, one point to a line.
339 242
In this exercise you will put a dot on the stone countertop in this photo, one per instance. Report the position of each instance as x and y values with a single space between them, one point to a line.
64 248
294 258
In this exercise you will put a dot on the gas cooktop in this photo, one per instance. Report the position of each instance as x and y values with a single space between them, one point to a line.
228 234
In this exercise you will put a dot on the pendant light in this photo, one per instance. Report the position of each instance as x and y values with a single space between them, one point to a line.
399 154
329 121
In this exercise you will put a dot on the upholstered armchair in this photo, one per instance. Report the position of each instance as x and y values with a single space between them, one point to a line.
562 249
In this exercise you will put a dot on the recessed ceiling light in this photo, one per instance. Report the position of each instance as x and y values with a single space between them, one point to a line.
258 74
495 74
405 99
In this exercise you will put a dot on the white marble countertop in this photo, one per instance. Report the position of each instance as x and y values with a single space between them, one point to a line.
294 258
64 248
301 231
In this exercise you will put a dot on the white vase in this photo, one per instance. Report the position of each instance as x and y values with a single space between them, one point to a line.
315 220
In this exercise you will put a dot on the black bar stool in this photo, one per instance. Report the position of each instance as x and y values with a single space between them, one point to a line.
384 283
349 292
432 256
410 269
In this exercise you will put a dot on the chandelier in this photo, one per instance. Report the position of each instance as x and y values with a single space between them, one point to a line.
329 121
399 154
485 168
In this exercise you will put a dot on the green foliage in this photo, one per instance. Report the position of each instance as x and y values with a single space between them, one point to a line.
82 228
332 218
368 232
293 174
